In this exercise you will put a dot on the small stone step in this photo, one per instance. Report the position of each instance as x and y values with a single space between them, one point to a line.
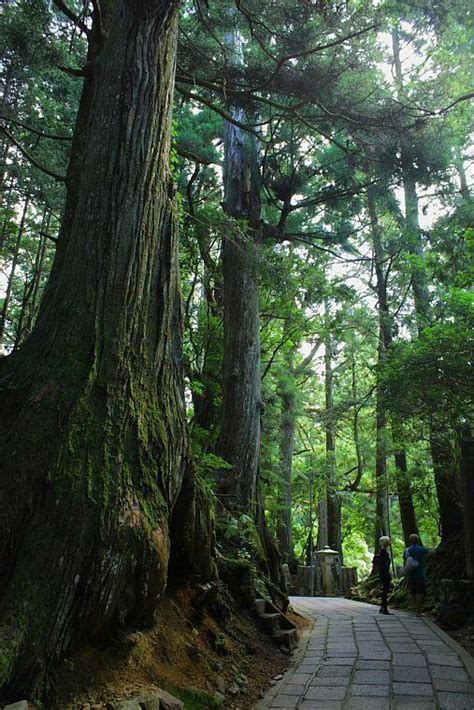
272 616
271 622
260 605
288 637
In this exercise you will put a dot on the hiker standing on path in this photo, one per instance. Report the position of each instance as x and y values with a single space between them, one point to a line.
384 571
416 574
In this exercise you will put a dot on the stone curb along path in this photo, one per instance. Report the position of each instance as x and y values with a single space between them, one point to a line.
357 659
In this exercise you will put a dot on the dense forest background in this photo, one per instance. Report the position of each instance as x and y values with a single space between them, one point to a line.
323 159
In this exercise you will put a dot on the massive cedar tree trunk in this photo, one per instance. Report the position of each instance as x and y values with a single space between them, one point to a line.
239 442
93 437
240 438
441 446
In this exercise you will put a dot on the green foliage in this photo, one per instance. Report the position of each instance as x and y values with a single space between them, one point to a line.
431 376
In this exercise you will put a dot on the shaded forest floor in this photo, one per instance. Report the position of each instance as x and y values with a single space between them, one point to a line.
193 656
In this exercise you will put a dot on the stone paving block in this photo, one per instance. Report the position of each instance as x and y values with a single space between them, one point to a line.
370 690
367 703
455 701
308 668
403 647
373 677
299 678
334 653
321 705
325 693
334 671
449 673
425 689
411 675
285 701
339 660
292 689
444 659
408 702
330 680
409 659
375 655
453 686
372 665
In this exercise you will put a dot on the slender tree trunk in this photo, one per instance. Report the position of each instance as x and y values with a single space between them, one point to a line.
334 522
441 446
31 285
323 533
459 165
7 207
287 438
467 491
4 149
11 277
381 476
404 490
355 428
96 492
445 467
39 270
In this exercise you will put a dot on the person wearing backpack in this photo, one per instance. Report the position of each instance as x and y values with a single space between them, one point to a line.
415 557
383 563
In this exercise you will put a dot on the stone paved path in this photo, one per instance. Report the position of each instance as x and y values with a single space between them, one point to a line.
357 659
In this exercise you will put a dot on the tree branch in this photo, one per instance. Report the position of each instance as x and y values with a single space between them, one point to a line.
71 15
217 109
41 134
188 155
28 156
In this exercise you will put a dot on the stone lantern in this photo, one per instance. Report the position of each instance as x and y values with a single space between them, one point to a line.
326 557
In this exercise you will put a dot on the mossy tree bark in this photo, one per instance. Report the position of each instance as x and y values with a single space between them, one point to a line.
93 436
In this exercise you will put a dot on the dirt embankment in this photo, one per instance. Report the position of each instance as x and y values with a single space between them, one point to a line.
206 659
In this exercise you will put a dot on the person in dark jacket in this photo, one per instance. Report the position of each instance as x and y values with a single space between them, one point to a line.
417 577
384 571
